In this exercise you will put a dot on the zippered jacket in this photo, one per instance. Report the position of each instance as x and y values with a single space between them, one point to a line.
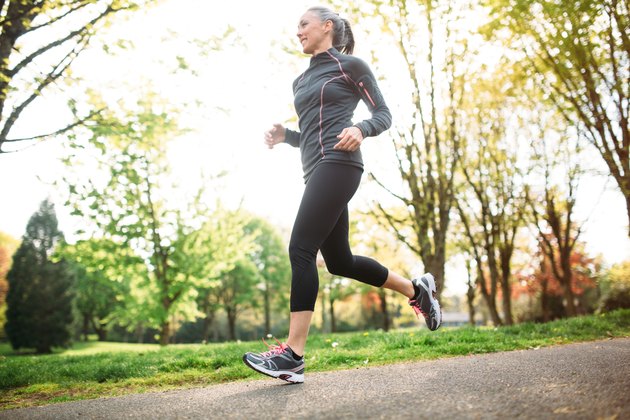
325 97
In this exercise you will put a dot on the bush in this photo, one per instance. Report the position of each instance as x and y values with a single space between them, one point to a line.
616 288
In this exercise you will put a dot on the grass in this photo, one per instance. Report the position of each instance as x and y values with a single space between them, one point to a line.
93 369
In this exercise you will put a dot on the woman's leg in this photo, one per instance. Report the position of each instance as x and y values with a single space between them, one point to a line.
298 331
399 284
326 195
340 261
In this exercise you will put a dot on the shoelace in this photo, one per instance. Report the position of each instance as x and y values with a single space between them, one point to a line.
416 308
273 349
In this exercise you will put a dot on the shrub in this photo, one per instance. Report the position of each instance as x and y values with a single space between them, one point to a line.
616 288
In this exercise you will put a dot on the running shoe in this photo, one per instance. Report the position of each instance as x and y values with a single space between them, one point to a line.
278 362
425 301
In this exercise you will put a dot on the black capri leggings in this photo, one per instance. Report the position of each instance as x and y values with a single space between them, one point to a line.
322 224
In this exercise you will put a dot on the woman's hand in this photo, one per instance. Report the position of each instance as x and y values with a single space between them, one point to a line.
350 139
275 135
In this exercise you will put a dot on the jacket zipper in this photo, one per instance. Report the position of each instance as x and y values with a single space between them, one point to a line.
367 94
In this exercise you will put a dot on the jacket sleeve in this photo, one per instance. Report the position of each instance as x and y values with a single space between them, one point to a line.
365 83
292 137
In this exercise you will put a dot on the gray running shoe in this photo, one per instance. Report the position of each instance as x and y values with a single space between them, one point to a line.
278 362
425 301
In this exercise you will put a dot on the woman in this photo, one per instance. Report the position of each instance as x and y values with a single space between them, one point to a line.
326 95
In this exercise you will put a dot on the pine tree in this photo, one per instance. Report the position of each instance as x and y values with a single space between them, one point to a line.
39 302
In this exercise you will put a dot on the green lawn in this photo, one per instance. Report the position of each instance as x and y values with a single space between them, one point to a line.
93 369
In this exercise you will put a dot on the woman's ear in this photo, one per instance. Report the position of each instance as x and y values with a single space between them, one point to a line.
328 26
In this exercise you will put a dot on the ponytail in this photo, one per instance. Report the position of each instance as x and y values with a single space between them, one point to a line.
346 46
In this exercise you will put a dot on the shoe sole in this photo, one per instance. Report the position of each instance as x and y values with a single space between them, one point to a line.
285 375
432 289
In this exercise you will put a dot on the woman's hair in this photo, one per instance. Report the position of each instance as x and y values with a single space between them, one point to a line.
343 40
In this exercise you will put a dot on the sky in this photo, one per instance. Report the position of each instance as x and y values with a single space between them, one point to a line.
242 91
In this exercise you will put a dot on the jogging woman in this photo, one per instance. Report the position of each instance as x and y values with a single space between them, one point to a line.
325 97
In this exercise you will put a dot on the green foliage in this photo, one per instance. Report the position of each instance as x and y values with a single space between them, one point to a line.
428 46
126 204
170 258
233 258
271 261
39 299
95 370
57 32
615 288
577 52
237 290
105 273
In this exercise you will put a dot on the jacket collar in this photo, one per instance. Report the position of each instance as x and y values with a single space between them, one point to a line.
325 55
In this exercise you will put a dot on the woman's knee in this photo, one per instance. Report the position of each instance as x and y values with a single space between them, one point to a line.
340 267
300 254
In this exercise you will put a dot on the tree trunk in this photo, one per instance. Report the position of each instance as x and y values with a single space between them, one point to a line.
324 313
506 299
100 331
470 298
384 310
506 256
544 301
567 293
86 327
231 316
207 323
492 308
436 267
267 311
490 301
140 333
165 333
333 321
102 334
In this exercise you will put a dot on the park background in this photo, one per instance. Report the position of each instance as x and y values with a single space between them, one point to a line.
179 93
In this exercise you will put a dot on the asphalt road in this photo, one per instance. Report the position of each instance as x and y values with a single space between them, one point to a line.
577 381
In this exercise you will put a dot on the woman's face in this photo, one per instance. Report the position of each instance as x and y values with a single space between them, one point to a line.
314 35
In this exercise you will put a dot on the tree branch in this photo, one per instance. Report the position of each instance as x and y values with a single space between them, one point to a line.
79 32
58 18
57 132
56 72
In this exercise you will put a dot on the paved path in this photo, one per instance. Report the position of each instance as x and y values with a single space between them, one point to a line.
577 381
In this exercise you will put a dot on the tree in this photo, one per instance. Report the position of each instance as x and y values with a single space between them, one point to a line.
552 212
470 291
579 52
541 282
127 204
103 271
372 236
39 300
333 289
217 259
616 287
237 290
431 45
8 245
491 198
558 235
39 41
272 263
